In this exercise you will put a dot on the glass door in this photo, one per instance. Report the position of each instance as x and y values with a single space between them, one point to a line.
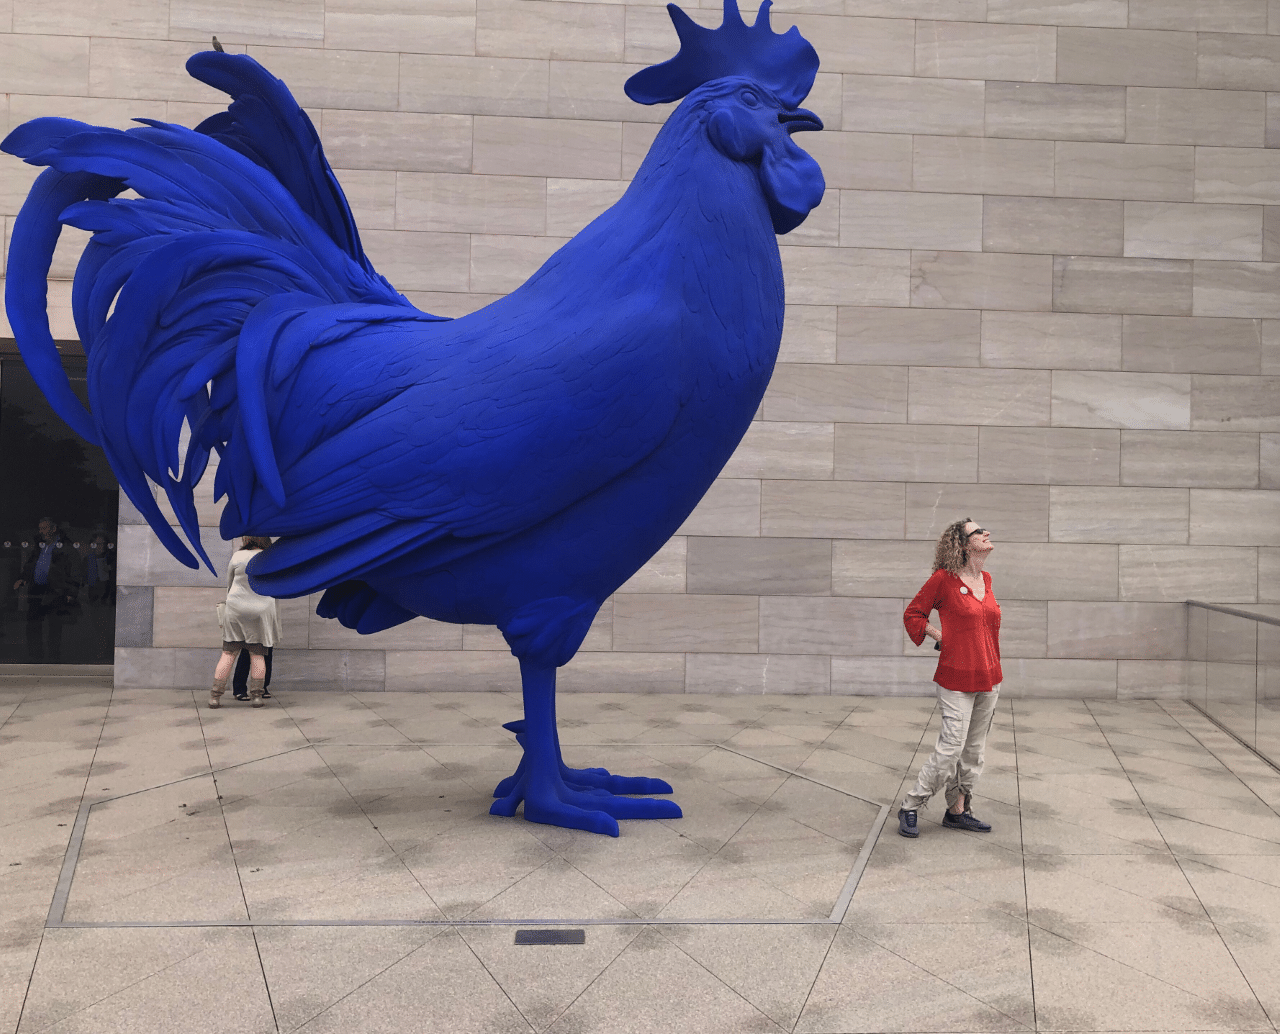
58 509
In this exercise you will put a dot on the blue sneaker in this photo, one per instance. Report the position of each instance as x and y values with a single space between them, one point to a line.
907 823
965 820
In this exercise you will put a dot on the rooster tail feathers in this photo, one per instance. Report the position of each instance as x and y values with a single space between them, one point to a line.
265 124
183 292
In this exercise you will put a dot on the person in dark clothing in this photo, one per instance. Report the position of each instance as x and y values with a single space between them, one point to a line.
97 574
240 680
50 577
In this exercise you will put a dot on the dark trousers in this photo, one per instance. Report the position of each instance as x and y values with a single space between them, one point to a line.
240 680
44 620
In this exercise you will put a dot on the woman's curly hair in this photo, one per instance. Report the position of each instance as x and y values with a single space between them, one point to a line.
952 551
255 542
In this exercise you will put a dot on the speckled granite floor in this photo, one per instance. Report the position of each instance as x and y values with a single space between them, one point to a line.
328 864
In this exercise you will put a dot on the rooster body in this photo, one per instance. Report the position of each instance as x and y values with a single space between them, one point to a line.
511 467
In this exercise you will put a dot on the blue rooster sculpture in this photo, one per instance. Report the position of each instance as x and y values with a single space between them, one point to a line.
511 467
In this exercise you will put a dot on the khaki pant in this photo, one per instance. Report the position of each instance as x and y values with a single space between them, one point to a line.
956 761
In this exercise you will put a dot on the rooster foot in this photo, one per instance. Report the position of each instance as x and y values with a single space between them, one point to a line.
557 803
585 779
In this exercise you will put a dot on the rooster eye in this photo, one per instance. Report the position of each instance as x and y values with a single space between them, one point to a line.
750 99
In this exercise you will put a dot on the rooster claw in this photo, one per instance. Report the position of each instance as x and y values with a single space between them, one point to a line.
601 779
592 809
589 780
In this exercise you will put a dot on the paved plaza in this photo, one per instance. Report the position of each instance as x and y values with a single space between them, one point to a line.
328 864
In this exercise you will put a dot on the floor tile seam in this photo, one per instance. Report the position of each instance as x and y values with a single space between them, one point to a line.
944 980
496 982
1218 766
369 980
723 983
845 899
711 856
551 855
231 847
1209 825
1058 737
256 795
710 747
888 769
1210 751
1199 860
294 831
120 899
1022 846
12 711
266 984
480 790
1124 754
381 836
590 983
586 876
197 775
26 991
1202 917
798 774
755 874
1086 767
1128 965
927 878
1199 901
594 980
1227 946
350 696
118 991
75 841
1113 836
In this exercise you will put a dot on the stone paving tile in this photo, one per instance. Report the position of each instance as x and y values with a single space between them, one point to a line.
655 986
543 981
864 986
198 981
1131 877
440 986
1094 979
310 969
772 967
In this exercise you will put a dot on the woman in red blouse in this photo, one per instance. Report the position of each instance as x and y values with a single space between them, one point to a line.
968 674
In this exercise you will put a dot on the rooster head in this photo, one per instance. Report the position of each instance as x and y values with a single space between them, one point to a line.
748 124
750 82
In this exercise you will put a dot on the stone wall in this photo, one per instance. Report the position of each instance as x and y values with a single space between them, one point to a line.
1043 291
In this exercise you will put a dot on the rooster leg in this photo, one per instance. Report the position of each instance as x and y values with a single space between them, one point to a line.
582 778
548 797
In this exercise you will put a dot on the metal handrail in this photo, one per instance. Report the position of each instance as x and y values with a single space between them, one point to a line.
1265 619
1257 749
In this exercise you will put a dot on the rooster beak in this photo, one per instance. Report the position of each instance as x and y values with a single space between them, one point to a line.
800 121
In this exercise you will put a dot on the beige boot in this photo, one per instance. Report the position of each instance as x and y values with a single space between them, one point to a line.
255 692
215 694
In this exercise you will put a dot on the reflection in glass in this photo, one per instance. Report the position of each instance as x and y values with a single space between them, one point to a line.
1268 719
58 512
1231 673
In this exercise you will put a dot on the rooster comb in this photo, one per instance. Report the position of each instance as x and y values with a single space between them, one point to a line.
785 62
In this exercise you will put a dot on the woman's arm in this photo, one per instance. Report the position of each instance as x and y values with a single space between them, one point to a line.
916 616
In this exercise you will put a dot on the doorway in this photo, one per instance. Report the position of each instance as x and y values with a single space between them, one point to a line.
59 503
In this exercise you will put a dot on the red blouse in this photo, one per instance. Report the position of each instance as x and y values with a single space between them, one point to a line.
970 657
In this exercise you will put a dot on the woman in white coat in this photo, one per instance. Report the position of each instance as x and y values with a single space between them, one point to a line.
249 622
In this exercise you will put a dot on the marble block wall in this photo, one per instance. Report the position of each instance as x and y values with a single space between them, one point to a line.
1043 291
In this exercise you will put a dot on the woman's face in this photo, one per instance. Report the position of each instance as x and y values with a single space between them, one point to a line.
978 539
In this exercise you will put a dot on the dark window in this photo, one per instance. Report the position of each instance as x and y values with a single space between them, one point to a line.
59 609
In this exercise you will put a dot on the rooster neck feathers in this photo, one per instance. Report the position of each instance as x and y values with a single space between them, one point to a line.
692 232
